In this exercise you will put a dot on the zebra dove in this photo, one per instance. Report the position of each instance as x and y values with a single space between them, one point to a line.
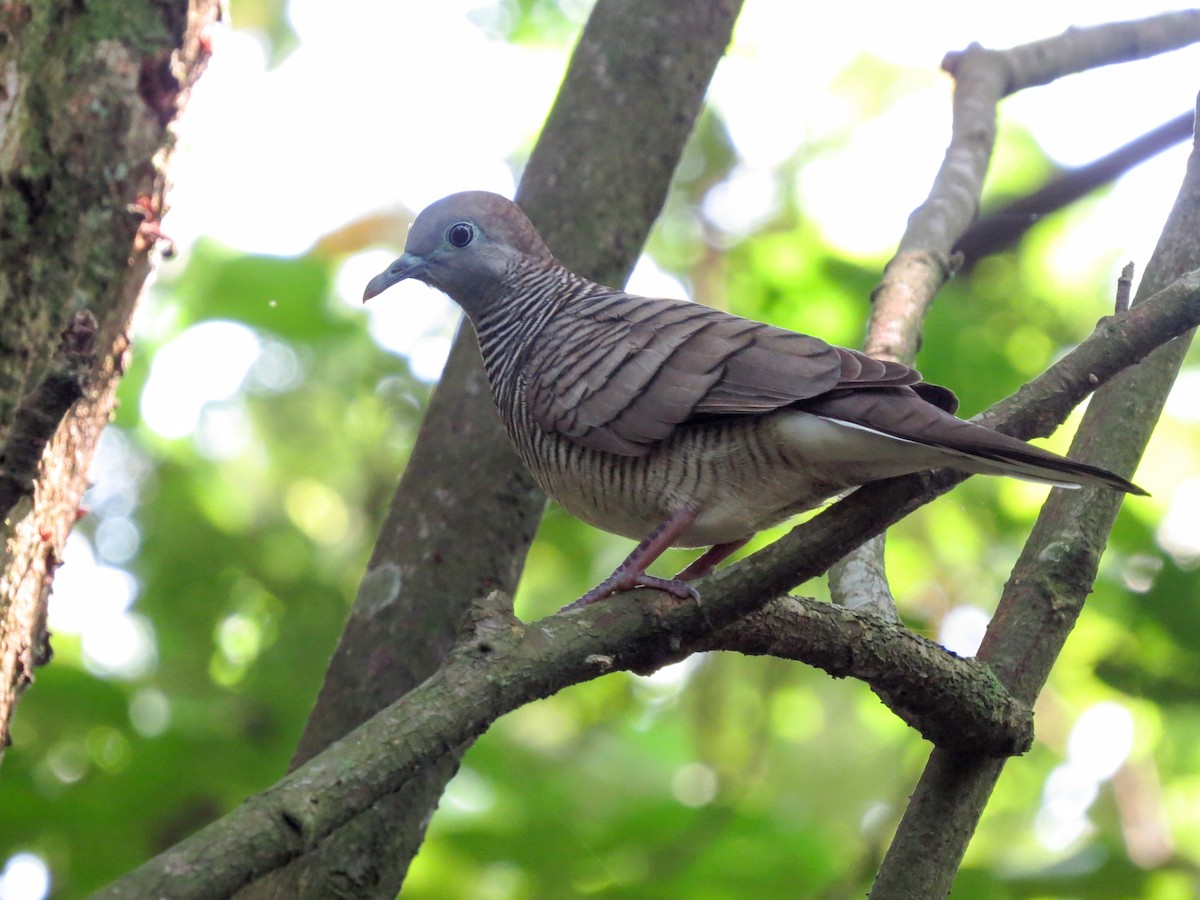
676 424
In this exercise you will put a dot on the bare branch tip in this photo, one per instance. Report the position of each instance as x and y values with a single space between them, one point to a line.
1124 288
954 59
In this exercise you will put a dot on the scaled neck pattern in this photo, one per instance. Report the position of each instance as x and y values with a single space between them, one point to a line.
509 324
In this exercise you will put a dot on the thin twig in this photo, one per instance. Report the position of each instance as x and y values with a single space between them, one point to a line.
1003 227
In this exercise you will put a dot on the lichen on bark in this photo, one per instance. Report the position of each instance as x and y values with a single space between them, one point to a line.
87 92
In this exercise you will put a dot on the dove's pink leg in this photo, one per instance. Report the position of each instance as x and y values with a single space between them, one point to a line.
707 561
632 572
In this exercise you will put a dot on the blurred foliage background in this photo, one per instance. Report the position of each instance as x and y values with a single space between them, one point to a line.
205 590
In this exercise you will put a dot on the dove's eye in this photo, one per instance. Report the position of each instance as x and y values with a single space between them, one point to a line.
460 234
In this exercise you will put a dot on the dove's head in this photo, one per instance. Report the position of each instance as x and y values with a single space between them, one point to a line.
465 245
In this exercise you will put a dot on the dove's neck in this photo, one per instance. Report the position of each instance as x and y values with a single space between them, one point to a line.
511 321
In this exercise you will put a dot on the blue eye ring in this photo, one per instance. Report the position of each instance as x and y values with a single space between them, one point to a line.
460 234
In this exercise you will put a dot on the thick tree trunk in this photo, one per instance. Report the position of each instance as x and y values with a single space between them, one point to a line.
86 98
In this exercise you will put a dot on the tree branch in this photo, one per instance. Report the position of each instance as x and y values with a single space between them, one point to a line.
983 77
918 679
1075 50
927 254
1057 568
501 663
1003 227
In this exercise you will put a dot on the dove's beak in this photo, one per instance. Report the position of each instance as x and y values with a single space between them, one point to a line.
407 266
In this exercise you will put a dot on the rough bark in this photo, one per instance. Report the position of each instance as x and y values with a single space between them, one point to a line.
640 70
87 92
